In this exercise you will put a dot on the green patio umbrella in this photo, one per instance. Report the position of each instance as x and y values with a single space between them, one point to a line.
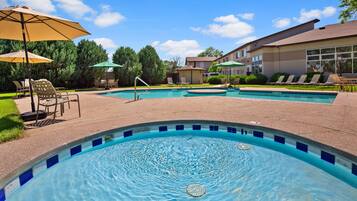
230 64
106 65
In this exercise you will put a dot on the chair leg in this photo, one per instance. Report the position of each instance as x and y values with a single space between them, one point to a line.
38 108
54 113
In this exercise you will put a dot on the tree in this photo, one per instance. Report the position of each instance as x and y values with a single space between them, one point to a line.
88 54
214 68
211 52
153 69
349 10
172 64
127 57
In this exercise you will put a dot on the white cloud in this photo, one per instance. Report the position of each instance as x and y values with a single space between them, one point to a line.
107 18
3 4
107 43
76 8
45 6
182 48
247 16
246 40
306 15
228 26
281 22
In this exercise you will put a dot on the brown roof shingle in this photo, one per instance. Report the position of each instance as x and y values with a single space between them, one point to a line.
333 31
208 59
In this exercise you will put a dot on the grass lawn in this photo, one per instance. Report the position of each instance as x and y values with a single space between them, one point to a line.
11 125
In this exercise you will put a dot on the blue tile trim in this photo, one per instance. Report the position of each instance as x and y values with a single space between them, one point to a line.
52 161
213 128
162 128
2 195
128 133
196 127
97 142
302 147
76 150
180 127
258 134
354 169
25 176
279 139
231 130
328 157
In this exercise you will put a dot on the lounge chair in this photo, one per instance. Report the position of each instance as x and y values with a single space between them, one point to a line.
183 81
314 80
301 80
48 96
20 89
332 79
279 81
289 80
169 81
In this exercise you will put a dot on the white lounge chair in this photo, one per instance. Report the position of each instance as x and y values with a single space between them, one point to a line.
170 81
289 80
314 80
332 79
301 80
279 81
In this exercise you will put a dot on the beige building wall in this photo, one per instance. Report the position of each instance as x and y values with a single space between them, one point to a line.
197 76
292 58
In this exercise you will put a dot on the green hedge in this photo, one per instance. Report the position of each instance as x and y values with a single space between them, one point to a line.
256 79
214 80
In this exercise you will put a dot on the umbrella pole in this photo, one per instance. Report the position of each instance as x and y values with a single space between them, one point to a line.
27 60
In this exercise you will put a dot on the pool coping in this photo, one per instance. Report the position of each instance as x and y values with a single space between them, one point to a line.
31 163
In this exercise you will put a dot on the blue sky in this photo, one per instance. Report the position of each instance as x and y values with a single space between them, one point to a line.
184 27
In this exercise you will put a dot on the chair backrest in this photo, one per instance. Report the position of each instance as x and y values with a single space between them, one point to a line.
302 79
290 79
333 78
315 79
281 78
169 80
44 89
17 84
27 82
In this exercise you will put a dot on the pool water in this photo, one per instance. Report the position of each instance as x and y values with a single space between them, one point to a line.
159 166
326 98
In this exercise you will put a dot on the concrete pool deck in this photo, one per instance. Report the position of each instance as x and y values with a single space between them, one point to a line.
334 125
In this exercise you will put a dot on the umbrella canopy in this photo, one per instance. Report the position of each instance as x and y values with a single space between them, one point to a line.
230 64
24 24
106 64
38 26
20 57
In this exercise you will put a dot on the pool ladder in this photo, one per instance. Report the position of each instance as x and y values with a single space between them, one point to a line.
136 96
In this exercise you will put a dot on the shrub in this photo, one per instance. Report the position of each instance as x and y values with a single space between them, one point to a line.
256 79
240 77
276 76
214 80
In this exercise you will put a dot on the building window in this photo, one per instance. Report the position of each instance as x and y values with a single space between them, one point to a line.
332 60
257 64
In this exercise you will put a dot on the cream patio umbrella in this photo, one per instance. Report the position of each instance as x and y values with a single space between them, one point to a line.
20 57
24 24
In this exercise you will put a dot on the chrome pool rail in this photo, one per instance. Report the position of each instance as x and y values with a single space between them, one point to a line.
142 81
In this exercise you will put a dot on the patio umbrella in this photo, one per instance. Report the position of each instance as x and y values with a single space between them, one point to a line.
230 64
25 24
106 65
20 57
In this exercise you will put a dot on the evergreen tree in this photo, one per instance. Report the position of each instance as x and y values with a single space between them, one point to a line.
153 69
127 57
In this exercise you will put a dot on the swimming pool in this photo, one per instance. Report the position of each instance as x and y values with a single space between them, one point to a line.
325 98
159 162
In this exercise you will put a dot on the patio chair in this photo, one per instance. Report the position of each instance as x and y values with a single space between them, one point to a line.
170 81
20 88
314 80
48 97
183 81
289 80
301 80
279 81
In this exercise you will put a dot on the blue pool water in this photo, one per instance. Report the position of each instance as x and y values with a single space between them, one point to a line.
326 98
159 166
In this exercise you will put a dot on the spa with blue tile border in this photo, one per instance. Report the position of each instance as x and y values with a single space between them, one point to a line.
324 153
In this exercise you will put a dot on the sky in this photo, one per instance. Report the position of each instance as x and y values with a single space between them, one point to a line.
183 27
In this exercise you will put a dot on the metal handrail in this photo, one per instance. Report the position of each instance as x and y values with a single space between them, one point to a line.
136 79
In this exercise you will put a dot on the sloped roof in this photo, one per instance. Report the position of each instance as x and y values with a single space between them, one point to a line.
332 31
208 59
